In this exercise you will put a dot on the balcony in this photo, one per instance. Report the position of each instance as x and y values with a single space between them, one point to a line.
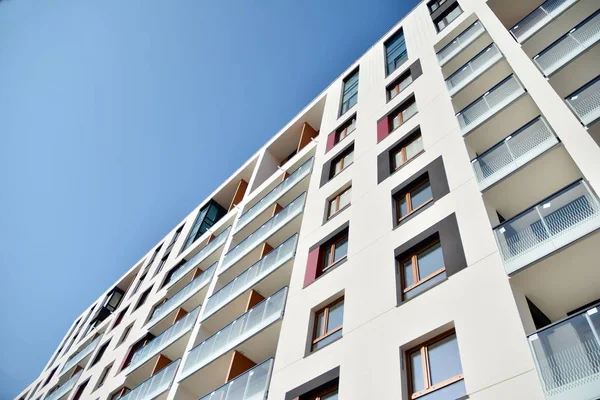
553 223
264 232
65 388
81 357
461 42
255 334
513 152
567 357
251 385
166 339
154 386
274 195
473 69
492 102
539 18
189 296
585 102
569 46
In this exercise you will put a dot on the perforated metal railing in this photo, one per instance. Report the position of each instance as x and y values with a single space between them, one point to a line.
64 388
251 385
155 385
475 67
575 42
83 353
489 104
539 18
567 357
513 152
547 226
463 40
586 102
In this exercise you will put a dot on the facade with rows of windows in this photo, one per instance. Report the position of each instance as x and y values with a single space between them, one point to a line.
426 228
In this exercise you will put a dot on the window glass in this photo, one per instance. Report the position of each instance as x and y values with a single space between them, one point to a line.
345 198
325 341
320 322
332 207
349 159
331 396
336 315
395 52
414 148
444 359
409 276
421 195
350 95
341 248
430 261
416 364
409 111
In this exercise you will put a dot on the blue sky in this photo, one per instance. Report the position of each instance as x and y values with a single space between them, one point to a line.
113 116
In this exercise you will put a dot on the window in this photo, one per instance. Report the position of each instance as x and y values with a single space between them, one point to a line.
120 317
395 52
447 18
119 393
328 325
399 85
403 113
406 151
162 263
341 162
339 202
50 376
125 333
175 237
434 5
80 390
142 299
207 217
329 392
138 284
154 255
345 130
100 353
412 199
171 272
134 348
334 252
421 269
350 94
435 367
104 375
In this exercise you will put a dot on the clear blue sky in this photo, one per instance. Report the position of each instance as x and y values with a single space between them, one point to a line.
113 122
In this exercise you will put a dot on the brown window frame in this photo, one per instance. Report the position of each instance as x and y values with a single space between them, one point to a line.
340 159
407 195
344 129
399 113
318 395
326 265
326 333
396 84
423 348
337 199
402 150
414 259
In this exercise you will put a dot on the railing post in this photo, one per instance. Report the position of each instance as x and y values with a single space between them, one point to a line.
506 142
537 209
592 327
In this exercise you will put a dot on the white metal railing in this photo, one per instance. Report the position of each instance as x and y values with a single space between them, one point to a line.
513 152
64 388
163 340
182 295
251 385
575 42
489 104
539 18
278 191
83 353
155 385
256 319
567 357
585 103
549 225
463 40
200 256
265 231
244 281
471 70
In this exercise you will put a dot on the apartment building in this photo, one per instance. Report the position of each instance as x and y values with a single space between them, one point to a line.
426 228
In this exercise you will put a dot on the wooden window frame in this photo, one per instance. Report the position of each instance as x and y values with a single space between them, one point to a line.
423 348
407 196
414 259
399 113
322 393
326 265
340 159
396 84
337 199
325 334
402 151
344 129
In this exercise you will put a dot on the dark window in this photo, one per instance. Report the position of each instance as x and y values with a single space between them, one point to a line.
399 116
333 252
175 237
154 255
446 19
50 376
104 375
207 217
406 151
125 333
326 392
346 129
171 272
435 366
341 162
135 347
80 390
100 353
138 284
413 198
339 202
142 299
119 393
422 268
434 5
395 52
162 263
120 317
399 85
113 299
350 93
328 324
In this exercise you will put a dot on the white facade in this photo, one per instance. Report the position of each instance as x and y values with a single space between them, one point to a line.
503 115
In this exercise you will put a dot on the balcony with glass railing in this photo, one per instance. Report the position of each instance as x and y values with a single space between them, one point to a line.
462 41
539 18
567 356
81 357
275 194
280 223
585 102
551 224
473 69
488 105
513 152
260 322
189 296
65 388
569 46
155 386
251 385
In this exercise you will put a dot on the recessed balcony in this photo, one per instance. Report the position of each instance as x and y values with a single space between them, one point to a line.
585 102
65 388
81 357
551 224
461 42
155 387
539 18
251 385
473 69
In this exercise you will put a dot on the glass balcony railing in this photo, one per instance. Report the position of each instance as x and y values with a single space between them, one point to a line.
186 292
575 42
264 232
539 18
513 152
475 67
256 319
467 37
200 256
159 343
585 102
567 357
489 104
276 193
251 385
155 385
247 279
65 388
83 353
549 225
